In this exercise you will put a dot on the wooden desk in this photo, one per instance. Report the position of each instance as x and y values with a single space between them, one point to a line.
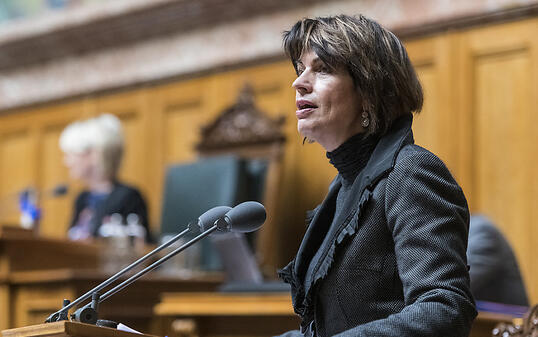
252 315
67 329
21 250
486 321
37 294
226 314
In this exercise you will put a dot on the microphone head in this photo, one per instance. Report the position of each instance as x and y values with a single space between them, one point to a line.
208 219
59 190
245 217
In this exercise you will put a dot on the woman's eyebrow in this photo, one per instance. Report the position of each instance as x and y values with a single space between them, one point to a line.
316 62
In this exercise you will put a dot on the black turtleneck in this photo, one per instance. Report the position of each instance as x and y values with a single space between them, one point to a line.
349 159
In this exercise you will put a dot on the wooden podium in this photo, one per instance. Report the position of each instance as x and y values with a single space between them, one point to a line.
67 329
213 314
36 273
22 250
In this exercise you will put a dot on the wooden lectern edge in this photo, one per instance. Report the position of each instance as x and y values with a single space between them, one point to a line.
494 317
68 329
218 304
11 231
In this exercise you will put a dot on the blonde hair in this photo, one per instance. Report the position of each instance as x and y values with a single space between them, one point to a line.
103 134
374 57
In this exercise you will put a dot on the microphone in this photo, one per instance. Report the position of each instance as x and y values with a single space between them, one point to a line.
208 219
243 218
59 190
9 202
205 220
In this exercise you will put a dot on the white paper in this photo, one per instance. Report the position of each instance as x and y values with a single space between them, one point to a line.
124 327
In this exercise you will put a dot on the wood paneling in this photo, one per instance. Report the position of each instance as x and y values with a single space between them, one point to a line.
435 127
498 86
34 304
56 210
21 251
183 112
17 168
38 293
5 299
177 112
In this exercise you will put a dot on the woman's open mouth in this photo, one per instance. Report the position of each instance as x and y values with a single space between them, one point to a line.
304 108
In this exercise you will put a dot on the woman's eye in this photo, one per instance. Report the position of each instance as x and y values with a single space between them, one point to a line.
324 69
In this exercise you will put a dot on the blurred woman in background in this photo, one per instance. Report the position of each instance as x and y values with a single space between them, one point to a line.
93 150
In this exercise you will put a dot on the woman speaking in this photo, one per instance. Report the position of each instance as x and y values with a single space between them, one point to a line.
384 253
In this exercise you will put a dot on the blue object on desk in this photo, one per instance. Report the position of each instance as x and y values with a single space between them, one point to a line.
501 308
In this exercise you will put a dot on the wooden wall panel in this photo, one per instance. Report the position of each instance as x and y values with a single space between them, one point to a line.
5 301
271 83
17 169
182 124
435 127
56 210
33 304
132 170
178 111
498 96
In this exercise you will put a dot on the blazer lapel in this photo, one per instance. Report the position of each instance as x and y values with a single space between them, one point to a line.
316 231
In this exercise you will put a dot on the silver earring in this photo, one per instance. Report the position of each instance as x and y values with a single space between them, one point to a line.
365 119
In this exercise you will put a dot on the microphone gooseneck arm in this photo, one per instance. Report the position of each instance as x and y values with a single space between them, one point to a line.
245 213
58 315
156 264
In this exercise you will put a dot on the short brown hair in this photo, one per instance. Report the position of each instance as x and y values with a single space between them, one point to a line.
374 57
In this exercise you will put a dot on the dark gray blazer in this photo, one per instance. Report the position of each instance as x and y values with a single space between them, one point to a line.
395 265
495 275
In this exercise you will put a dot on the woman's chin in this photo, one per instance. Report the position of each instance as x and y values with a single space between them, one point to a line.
308 135
306 130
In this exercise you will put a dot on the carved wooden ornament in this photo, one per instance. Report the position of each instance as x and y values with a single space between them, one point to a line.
241 124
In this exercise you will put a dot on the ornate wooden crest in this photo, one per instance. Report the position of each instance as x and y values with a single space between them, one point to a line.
239 125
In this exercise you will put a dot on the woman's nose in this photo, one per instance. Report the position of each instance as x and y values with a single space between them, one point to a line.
302 84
